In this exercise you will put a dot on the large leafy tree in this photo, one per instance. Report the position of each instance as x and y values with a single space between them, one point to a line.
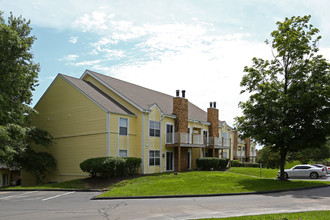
288 107
18 78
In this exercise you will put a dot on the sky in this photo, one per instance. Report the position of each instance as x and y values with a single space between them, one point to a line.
200 46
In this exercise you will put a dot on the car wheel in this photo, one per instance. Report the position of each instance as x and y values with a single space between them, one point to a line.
286 176
314 175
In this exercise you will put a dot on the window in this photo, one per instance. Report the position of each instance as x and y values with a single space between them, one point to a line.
224 135
123 124
154 130
154 157
224 154
189 138
122 153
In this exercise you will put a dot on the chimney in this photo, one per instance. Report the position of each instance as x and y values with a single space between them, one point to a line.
214 105
177 93
180 109
183 93
213 118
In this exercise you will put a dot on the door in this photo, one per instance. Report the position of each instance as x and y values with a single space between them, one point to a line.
169 134
169 161
4 179
189 159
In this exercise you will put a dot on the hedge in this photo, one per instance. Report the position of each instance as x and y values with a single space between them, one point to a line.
208 163
111 166
236 163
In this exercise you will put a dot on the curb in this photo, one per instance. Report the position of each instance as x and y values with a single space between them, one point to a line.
206 195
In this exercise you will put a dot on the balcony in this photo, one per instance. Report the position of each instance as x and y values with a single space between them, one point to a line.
220 143
253 154
241 142
184 140
240 154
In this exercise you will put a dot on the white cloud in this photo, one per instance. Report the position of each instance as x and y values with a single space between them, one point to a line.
85 63
70 57
73 40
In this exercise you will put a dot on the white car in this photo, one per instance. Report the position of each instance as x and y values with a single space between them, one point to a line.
320 166
305 170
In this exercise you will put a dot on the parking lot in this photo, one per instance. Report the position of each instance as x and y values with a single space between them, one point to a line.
32 195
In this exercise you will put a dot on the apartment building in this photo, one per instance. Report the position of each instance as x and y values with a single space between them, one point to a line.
97 115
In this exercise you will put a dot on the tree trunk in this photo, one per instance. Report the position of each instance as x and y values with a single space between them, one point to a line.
282 162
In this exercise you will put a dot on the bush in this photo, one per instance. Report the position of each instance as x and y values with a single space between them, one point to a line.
252 165
223 163
208 163
111 166
236 163
133 165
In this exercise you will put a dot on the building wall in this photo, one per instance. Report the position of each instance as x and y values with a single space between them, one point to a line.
78 127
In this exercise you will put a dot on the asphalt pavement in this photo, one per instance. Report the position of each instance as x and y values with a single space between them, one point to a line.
69 205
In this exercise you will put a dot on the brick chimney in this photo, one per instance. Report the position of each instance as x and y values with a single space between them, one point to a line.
213 118
180 109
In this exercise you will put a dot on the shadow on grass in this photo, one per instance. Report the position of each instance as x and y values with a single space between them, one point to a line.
259 185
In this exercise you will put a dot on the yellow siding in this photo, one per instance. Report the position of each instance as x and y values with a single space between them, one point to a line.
78 126
135 123
65 112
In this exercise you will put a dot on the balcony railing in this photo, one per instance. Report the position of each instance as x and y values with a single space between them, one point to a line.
214 141
253 154
226 142
241 141
197 139
240 154
184 138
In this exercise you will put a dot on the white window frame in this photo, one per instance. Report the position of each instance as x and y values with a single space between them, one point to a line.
119 126
155 129
154 158
121 151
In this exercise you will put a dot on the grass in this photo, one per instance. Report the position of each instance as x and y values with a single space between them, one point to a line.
200 182
320 215
252 171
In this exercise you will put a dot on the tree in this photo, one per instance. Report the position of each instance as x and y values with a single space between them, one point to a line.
268 158
311 154
18 78
288 107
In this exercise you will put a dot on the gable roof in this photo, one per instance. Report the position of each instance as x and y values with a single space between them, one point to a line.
145 98
96 95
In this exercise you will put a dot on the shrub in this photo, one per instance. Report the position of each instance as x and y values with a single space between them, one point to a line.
133 165
111 166
252 165
208 163
236 163
223 162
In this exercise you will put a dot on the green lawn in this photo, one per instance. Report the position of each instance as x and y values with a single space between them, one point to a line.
265 173
200 182
320 215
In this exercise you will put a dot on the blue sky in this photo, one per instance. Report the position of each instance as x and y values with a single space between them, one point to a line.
201 46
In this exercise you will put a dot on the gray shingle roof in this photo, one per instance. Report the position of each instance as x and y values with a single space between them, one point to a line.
144 97
97 95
